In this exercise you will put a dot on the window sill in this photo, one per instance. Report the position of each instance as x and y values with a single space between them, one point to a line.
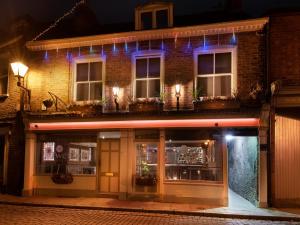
74 175
3 97
199 183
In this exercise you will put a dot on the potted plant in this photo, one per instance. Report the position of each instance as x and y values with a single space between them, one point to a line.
94 108
146 105
216 103
146 179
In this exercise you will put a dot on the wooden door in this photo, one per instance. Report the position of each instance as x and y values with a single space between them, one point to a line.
109 166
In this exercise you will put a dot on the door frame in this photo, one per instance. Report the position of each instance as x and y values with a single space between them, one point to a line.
99 140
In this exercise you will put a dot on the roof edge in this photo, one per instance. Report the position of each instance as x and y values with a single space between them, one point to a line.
132 36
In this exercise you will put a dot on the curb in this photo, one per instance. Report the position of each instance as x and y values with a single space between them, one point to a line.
169 212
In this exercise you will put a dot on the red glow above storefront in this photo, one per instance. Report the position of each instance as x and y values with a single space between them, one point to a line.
130 124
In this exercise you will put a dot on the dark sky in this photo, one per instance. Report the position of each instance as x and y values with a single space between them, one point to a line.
110 11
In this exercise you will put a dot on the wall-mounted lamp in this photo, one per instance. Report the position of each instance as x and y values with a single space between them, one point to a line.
19 70
116 91
177 94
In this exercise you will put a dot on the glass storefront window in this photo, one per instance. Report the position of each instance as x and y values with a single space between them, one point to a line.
146 166
66 154
193 158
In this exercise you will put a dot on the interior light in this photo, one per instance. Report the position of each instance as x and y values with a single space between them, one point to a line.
228 137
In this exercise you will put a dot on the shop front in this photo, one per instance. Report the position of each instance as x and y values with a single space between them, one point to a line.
170 163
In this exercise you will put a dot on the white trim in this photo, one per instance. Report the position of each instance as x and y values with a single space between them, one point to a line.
88 59
214 50
133 36
148 54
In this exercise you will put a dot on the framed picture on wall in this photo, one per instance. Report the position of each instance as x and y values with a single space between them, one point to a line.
86 155
73 154
48 151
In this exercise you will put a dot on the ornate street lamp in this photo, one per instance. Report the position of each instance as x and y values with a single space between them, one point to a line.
177 94
20 70
116 91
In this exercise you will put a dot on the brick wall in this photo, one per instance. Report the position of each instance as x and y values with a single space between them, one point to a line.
55 74
242 167
284 46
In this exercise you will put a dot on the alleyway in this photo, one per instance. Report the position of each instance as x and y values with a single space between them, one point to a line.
41 215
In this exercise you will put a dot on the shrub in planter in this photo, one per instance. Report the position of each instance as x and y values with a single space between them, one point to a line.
146 180
62 178
89 109
216 103
147 105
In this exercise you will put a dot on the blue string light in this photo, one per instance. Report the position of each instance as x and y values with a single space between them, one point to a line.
189 44
46 55
233 39
91 49
126 46
204 42
137 46
79 52
162 46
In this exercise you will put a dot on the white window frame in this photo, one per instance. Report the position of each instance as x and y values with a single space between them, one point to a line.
145 55
89 59
215 50
153 8
7 91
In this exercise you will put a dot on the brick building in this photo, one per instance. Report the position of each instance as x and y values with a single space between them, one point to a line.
163 111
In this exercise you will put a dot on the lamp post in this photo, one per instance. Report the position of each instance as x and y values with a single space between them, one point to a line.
19 70
116 91
177 94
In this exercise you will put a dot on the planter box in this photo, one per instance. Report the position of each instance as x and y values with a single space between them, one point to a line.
86 109
146 107
145 180
216 105
62 178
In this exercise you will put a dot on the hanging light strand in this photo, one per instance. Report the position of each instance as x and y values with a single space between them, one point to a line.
71 11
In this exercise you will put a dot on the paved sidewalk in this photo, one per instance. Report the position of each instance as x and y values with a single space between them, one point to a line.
154 207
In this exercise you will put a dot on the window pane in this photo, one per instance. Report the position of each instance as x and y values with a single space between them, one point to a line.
96 91
146 167
154 88
193 155
154 67
223 62
82 72
95 71
205 86
205 64
223 86
141 68
141 89
162 18
146 19
82 92
3 85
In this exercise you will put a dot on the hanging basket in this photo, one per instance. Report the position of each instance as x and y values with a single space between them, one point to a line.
61 178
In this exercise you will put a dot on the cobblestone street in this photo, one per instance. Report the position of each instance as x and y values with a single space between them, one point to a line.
10 214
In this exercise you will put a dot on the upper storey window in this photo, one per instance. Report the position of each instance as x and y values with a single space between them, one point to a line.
89 80
215 72
154 16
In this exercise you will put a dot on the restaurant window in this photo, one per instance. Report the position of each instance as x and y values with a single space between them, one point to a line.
215 72
4 81
148 76
192 155
75 154
89 80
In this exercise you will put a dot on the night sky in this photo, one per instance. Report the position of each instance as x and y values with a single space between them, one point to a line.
112 11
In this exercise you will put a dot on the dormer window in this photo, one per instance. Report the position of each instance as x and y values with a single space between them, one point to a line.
154 16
